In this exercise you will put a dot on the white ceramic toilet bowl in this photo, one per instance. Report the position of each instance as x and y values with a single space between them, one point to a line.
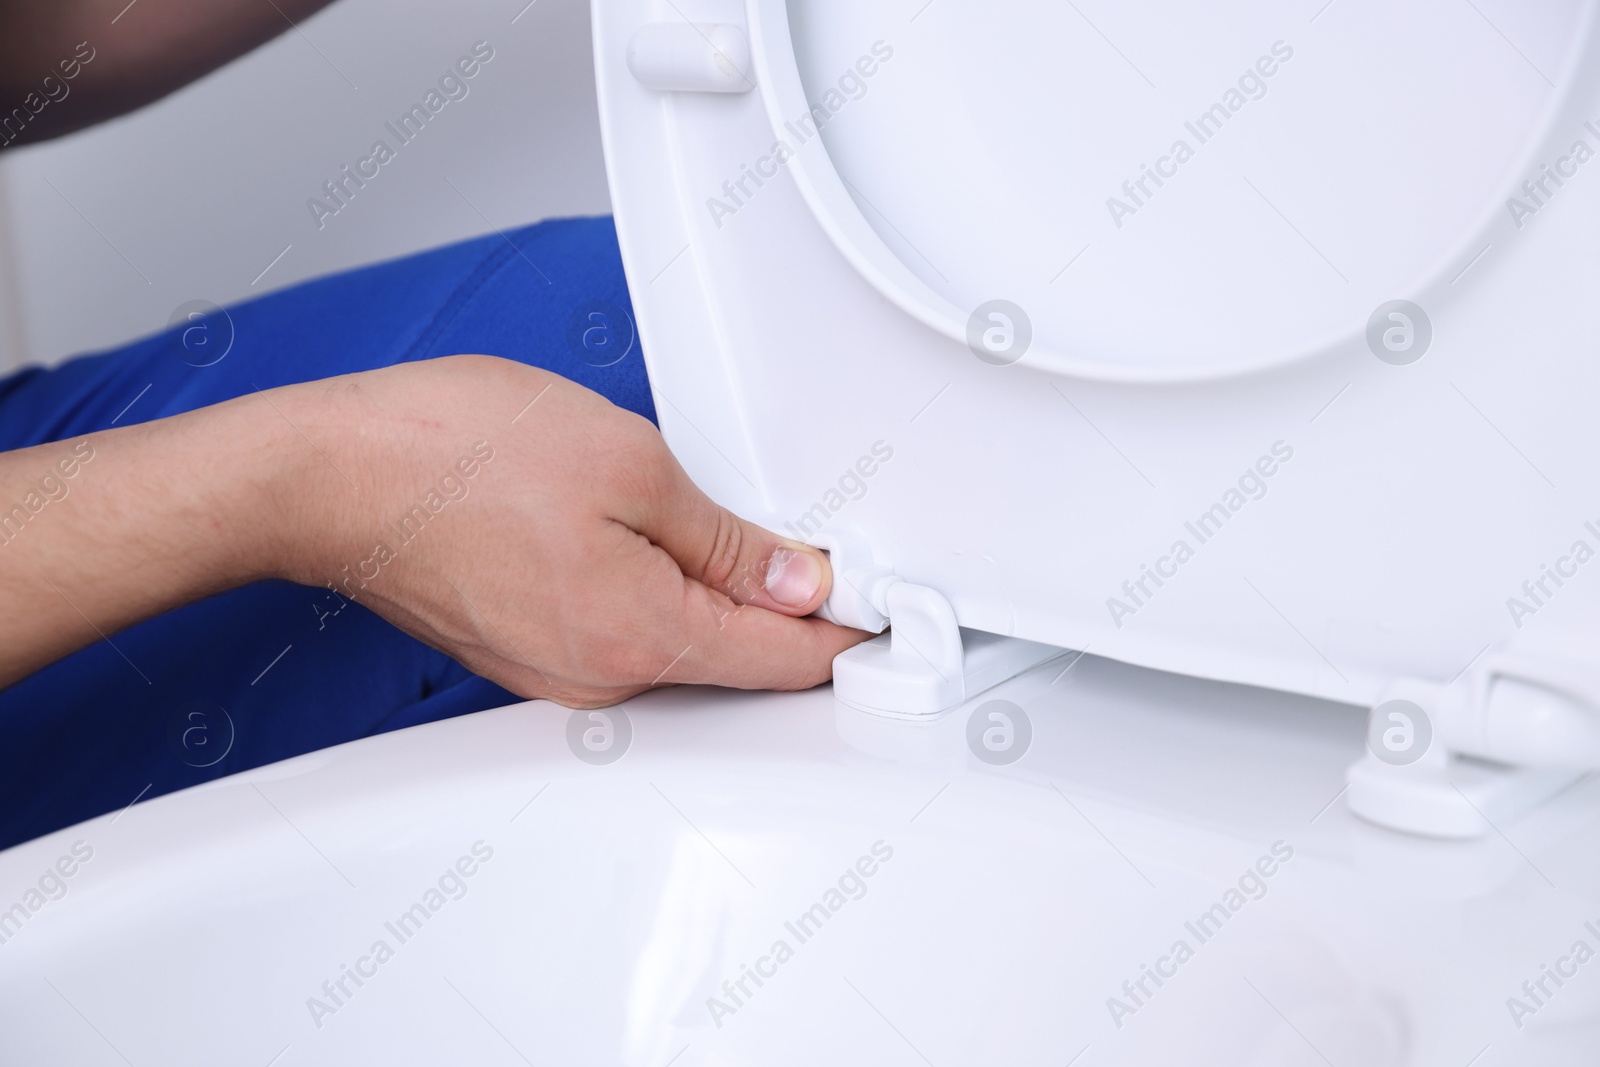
504 901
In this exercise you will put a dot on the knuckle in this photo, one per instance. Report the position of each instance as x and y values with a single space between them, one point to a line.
721 564
638 463
630 654
801 676
471 364
812 668
642 665
589 698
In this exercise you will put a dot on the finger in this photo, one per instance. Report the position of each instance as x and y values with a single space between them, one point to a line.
742 561
749 647
584 698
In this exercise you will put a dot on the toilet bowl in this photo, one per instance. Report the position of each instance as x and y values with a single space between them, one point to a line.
491 889
1312 789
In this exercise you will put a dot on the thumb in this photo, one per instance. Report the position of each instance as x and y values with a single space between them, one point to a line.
747 563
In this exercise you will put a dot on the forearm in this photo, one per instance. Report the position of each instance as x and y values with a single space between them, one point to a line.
514 520
153 48
102 531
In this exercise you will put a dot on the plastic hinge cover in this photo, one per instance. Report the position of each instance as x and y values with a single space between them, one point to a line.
1530 725
927 662
686 57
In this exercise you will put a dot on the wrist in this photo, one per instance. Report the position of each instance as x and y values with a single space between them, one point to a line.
228 483
303 467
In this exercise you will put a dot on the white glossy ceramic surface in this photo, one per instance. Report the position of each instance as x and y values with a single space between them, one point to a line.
618 898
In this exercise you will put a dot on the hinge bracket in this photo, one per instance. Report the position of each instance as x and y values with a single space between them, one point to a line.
926 663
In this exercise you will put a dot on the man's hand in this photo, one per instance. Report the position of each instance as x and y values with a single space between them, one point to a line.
521 523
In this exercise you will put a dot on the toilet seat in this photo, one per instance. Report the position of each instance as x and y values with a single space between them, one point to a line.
1113 489
1032 169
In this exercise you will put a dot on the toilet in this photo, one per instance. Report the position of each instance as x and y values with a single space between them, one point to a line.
1198 406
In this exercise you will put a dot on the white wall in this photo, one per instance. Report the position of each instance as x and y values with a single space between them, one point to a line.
192 197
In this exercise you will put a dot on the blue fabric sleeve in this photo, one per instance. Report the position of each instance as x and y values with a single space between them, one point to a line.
273 670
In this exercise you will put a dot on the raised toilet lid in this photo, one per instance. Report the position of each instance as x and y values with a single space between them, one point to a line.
1280 298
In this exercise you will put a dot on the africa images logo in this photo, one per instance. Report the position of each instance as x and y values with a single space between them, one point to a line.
851 885
453 86
599 738
1251 85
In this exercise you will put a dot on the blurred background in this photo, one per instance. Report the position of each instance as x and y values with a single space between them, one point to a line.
203 195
